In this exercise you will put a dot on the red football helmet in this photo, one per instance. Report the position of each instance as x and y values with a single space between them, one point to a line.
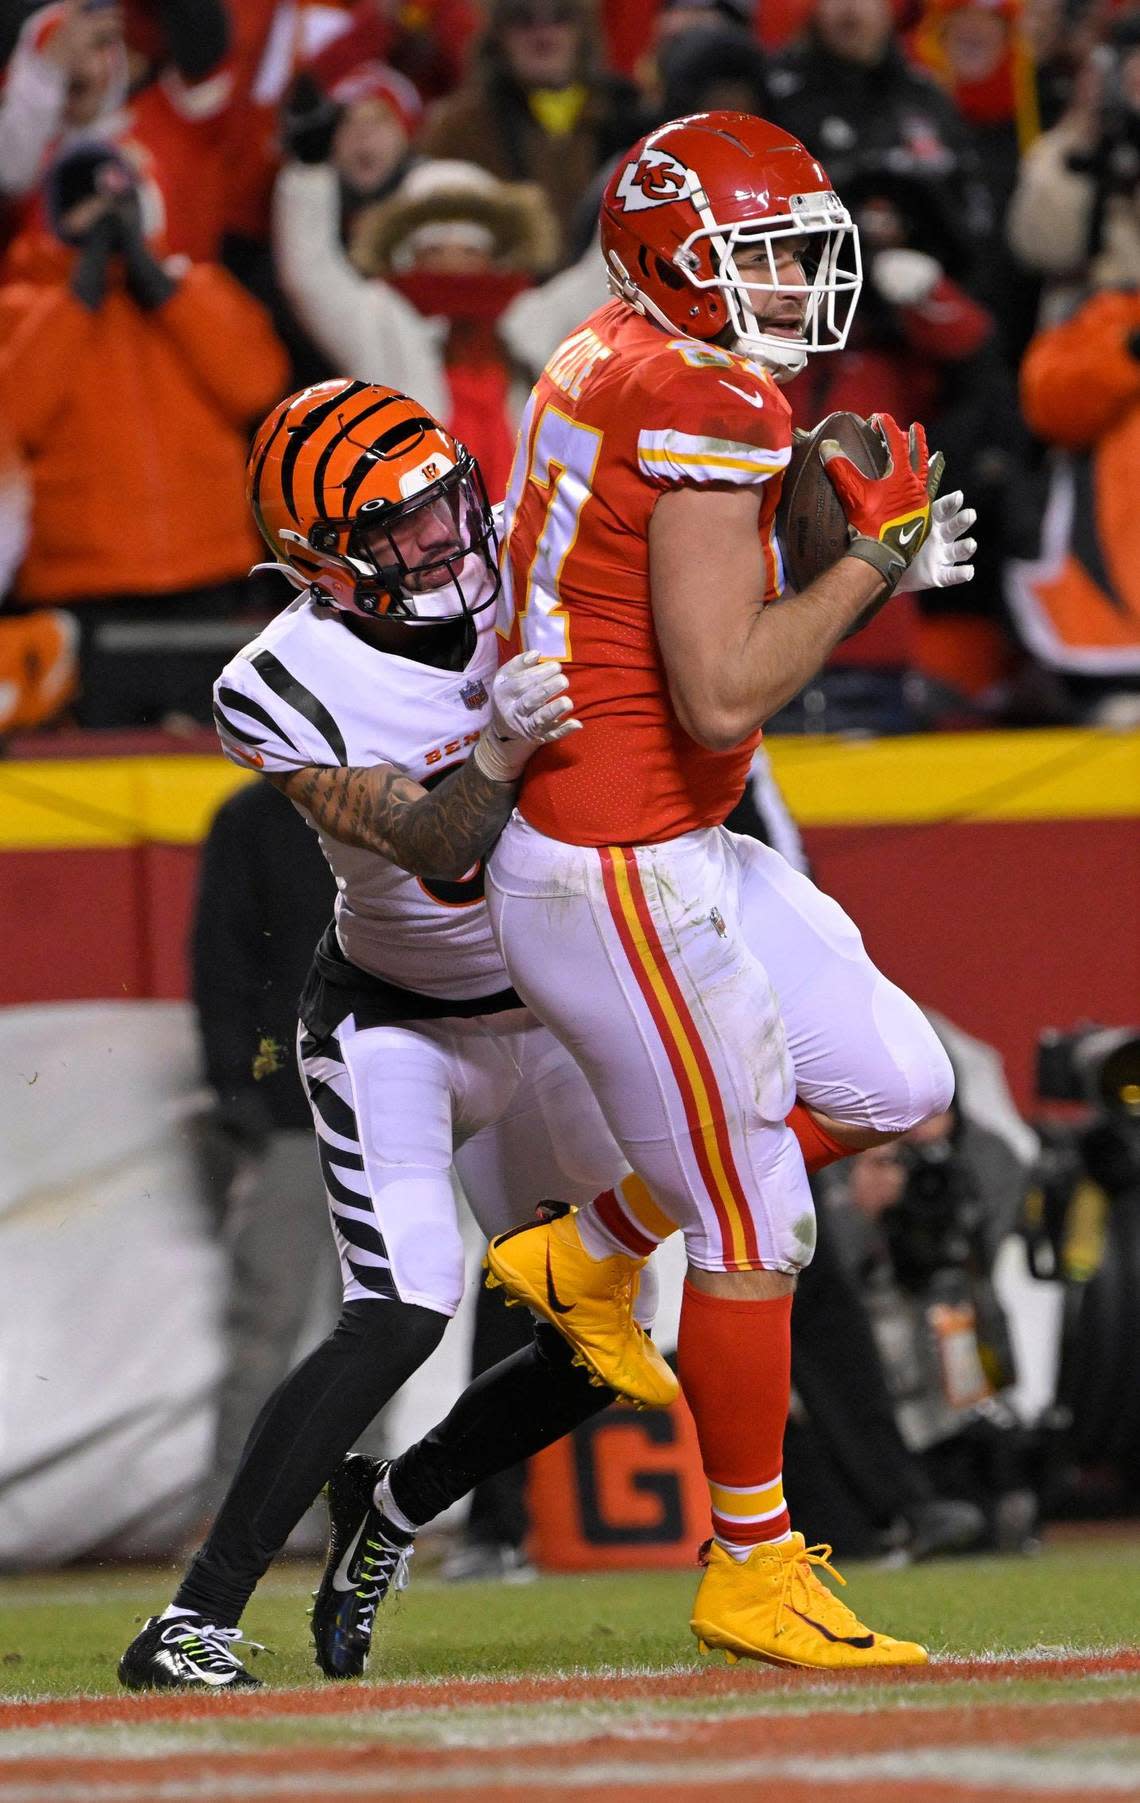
695 194
368 500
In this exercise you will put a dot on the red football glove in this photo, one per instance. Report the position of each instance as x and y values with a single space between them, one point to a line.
888 515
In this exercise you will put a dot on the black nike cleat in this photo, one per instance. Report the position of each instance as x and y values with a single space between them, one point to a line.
367 1559
185 1652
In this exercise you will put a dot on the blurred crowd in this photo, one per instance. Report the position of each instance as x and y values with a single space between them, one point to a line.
207 203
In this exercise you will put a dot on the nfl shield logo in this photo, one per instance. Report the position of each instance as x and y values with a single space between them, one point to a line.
473 694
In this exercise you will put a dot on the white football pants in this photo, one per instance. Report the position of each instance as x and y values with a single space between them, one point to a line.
703 984
395 1106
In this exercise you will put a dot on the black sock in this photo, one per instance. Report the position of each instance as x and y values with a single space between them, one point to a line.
522 1404
297 1442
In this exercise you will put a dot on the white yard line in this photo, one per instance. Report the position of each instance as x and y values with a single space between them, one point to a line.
477 1729
815 1686
1110 1771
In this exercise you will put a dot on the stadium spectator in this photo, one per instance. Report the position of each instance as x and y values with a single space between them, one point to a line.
128 383
38 664
66 78
427 41
848 90
433 266
158 89
1074 216
980 50
362 129
918 1225
536 108
924 347
1077 604
277 44
846 1462
703 71
704 67
677 21
272 41
363 126
264 898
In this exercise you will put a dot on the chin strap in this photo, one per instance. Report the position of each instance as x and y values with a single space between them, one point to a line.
290 575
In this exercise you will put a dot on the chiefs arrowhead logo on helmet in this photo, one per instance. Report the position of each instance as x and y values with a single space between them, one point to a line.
760 255
655 179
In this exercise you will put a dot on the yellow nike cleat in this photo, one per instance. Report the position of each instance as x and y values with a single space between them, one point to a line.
589 1300
772 1606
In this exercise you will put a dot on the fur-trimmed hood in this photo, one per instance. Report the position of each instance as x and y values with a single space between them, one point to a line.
524 235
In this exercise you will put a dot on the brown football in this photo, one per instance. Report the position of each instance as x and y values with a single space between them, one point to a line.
811 524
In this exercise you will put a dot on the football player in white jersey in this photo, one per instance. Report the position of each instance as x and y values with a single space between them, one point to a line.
373 702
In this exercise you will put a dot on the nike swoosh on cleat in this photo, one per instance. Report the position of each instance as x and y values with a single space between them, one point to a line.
342 1578
861 1641
754 400
560 1308
178 1664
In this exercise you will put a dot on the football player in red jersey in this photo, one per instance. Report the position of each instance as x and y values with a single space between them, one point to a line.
725 1011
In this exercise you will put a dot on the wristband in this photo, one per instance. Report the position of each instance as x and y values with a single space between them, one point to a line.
889 565
501 760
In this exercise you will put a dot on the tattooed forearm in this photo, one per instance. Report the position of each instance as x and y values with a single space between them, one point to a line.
440 833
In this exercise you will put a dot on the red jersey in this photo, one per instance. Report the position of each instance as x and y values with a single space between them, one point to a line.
621 413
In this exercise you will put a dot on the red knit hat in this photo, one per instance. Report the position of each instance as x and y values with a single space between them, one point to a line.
376 81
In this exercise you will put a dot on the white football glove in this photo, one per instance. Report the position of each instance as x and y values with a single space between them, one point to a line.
529 708
944 560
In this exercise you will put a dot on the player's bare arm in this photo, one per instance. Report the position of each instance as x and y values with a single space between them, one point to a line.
437 833
731 662
443 831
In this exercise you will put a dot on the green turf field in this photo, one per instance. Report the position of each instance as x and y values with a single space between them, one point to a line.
61 1635
589 1690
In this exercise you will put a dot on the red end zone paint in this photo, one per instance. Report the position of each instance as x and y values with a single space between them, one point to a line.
703 1681
721 1754
132 1785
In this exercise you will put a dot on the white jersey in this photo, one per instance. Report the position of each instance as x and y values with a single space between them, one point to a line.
308 690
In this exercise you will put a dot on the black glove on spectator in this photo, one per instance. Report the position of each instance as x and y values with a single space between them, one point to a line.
147 280
89 276
197 34
308 121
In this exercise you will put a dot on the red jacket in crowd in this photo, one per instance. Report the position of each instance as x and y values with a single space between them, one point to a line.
133 426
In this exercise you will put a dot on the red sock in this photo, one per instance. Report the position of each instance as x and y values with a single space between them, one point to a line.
818 1147
734 1359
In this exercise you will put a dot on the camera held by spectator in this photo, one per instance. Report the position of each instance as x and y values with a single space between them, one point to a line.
129 410
1074 216
1112 159
1082 1231
931 1220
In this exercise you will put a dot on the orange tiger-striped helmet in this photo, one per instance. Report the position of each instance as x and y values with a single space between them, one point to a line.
366 499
